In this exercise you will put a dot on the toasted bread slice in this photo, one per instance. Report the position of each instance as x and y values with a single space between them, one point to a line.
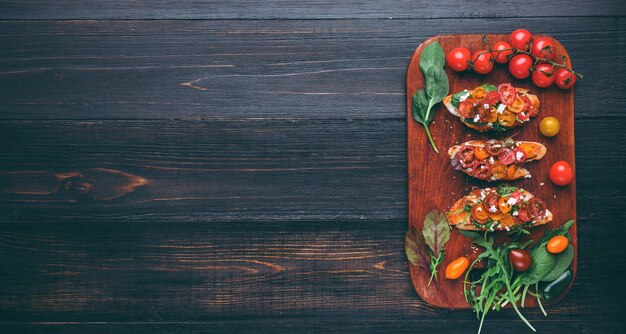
463 220
537 149
495 125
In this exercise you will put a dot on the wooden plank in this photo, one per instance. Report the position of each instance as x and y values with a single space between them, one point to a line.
296 69
242 169
317 9
426 168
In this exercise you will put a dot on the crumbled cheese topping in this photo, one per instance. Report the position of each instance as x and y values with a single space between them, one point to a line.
548 212
519 155
476 118
482 195
491 160
464 96
528 176
493 209
486 105
541 184
512 201
515 213
501 108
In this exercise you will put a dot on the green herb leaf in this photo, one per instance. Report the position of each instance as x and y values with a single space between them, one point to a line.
432 61
420 107
489 87
432 56
415 249
504 190
437 87
563 260
548 234
456 98
436 231
543 264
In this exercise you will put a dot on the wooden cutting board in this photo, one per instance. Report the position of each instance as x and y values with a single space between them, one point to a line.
434 184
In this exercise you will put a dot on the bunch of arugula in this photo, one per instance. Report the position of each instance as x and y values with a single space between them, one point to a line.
500 285
436 87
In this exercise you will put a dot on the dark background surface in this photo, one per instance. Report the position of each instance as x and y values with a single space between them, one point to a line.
240 166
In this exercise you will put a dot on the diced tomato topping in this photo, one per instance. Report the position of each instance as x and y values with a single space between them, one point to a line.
492 97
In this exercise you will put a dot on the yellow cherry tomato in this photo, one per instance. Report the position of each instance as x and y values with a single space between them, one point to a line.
557 244
549 126
479 93
481 153
457 267
506 119
504 205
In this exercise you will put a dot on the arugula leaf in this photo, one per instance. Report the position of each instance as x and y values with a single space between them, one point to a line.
543 263
432 56
436 87
563 260
504 190
415 249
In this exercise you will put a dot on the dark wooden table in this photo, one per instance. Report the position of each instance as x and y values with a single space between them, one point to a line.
240 166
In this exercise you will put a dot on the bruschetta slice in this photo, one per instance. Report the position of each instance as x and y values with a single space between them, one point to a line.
491 108
501 208
495 160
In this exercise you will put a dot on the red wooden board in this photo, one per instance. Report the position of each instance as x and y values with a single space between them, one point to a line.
434 184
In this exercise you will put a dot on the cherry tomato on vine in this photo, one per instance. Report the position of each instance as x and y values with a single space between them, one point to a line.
498 55
520 259
549 126
543 47
519 66
520 39
457 267
543 75
564 78
481 62
561 173
458 59
557 244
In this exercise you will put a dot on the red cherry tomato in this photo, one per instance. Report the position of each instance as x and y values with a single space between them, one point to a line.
523 215
458 59
543 47
506 156
561 173
498 55
543 75
481 62
492 97
520 259
519 66
520 155
520 39
564 79
507 93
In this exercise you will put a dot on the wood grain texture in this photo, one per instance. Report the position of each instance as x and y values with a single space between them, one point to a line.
282 213
434 184
334 222
289 69
316 9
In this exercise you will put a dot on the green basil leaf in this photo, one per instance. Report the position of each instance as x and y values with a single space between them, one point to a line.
420 107
437 87
543 264
456 98
495 126
436 231
489 87
415 249
432 56
563 260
